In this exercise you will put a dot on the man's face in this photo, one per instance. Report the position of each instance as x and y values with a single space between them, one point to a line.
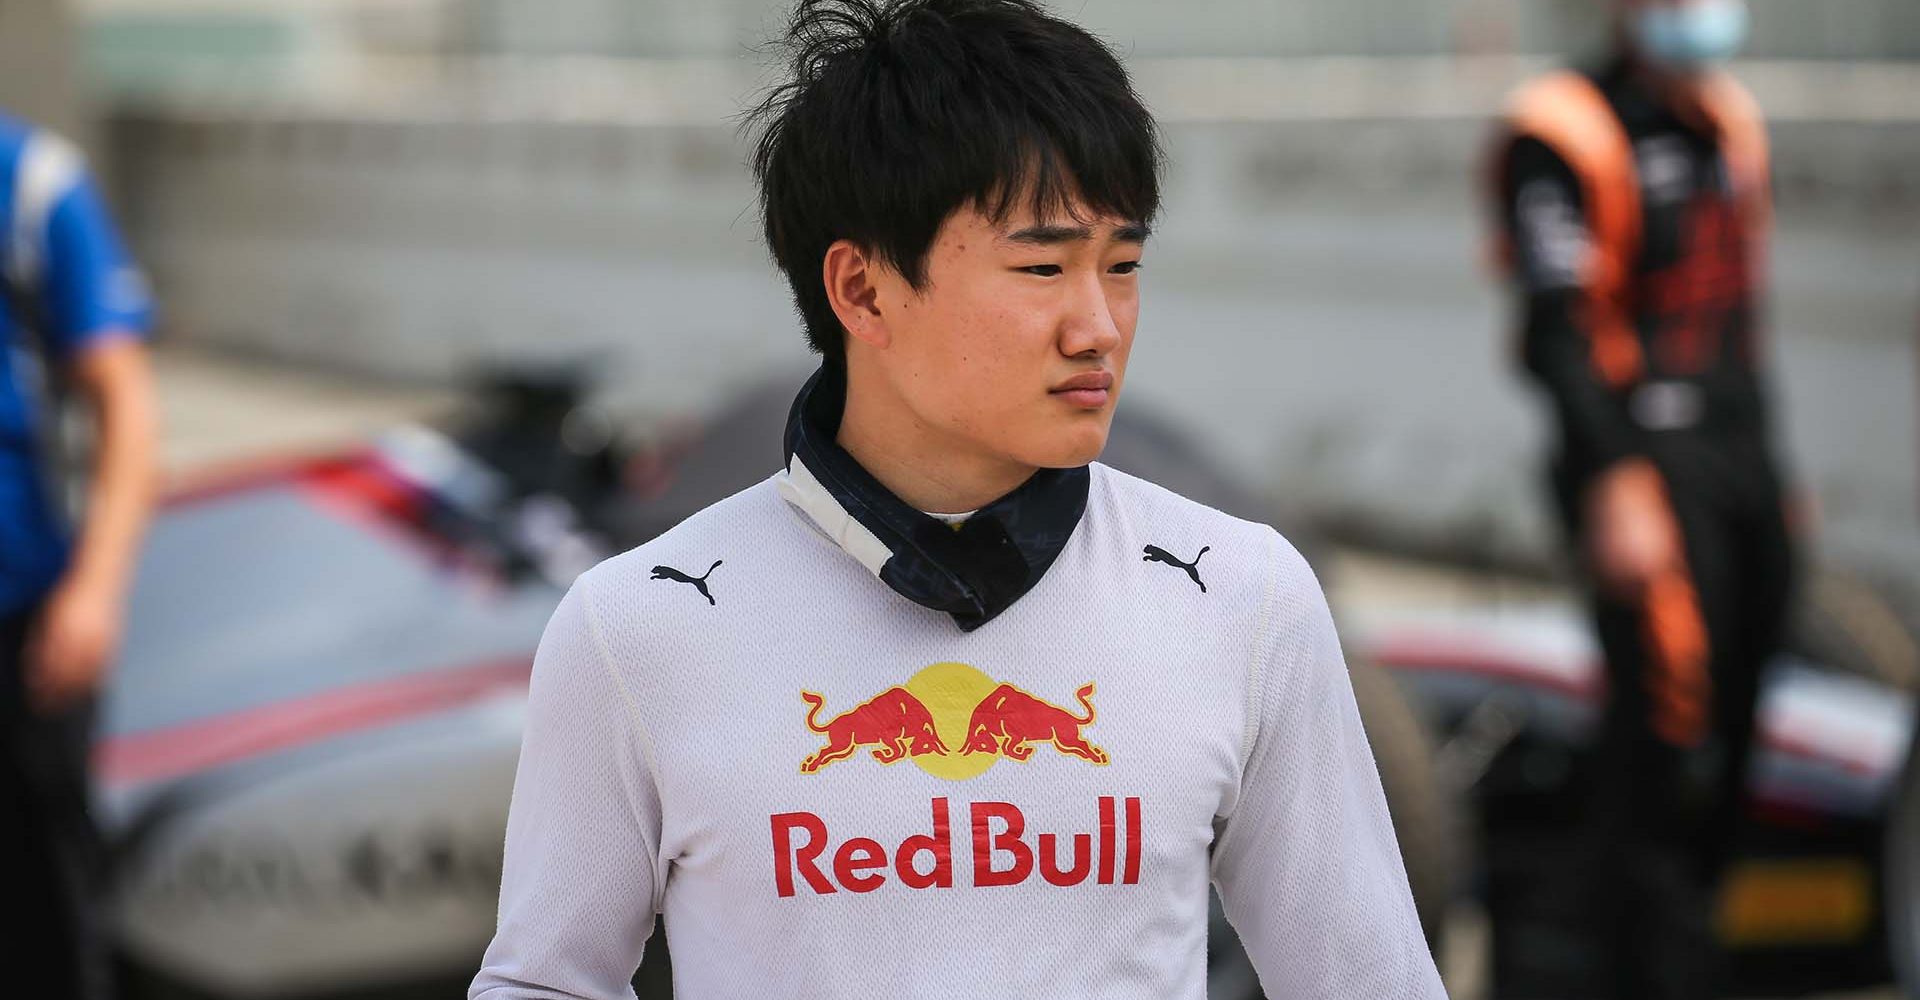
1684 37
1015 347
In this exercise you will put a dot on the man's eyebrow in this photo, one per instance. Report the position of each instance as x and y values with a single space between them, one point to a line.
1047 236
1051 235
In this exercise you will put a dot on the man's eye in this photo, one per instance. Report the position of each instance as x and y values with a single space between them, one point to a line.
1125 267
1043 270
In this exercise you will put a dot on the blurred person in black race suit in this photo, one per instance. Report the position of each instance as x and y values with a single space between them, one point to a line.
74 317
1633 205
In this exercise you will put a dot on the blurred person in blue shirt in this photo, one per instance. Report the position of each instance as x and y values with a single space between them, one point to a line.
74 318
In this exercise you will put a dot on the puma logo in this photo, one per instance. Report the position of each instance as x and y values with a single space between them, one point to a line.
699 582
1157 554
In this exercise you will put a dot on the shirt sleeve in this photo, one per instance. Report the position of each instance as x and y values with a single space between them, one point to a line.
1547 228
1306 860
88 287
581 880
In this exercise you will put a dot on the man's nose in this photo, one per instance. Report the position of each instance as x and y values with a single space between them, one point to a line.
1089 329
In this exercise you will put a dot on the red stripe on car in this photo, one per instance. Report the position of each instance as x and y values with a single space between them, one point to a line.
175 751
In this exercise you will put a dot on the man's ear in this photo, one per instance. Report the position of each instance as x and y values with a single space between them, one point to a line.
851 276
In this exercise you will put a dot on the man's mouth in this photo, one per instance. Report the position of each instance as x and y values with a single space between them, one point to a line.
1089 390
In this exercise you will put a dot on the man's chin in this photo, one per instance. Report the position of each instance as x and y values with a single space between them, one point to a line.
1072 450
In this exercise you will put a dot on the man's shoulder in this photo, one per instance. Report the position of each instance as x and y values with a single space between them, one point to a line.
14 133
1244 557
56 161
679 570
1148 500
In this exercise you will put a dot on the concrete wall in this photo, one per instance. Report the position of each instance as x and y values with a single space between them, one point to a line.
1829 29
37 65
1316 306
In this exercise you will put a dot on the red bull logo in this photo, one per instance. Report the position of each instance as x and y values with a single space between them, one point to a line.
1003 852
1010 719
953 722
894 721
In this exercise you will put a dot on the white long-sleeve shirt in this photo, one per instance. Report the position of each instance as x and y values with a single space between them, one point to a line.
821 785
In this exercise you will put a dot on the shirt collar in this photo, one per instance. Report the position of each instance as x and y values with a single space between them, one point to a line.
972 572
1637 106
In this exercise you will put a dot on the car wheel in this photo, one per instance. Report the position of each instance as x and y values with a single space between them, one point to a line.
1843 623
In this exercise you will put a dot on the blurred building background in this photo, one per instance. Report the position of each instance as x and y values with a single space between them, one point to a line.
145 31
411 188
38 55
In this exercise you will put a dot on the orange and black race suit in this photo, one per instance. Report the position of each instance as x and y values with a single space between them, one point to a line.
1635 237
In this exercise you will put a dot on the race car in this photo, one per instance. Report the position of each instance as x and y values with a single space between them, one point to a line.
309 748
1821 895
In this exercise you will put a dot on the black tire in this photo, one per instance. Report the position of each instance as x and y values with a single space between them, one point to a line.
1426 814
1900 871
1844 624
1841 622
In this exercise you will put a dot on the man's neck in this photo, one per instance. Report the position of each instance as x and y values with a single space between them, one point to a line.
1678 93
926 469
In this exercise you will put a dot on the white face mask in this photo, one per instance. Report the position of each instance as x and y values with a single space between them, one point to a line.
1692 36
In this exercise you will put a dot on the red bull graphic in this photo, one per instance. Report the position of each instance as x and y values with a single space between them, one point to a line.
1011 718
1003 854
953 721
894 720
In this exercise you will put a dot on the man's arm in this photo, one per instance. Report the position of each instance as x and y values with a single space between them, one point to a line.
78 634
93 311
1630 534
581 880
1547 229
1306 860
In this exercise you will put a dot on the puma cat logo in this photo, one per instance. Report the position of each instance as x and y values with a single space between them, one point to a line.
1157 554
699 582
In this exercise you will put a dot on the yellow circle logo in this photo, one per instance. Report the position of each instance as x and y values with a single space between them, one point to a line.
951 691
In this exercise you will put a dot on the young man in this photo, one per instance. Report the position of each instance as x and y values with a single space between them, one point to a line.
1634 200
941 708
74 313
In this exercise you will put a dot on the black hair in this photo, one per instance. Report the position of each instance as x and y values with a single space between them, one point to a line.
901 112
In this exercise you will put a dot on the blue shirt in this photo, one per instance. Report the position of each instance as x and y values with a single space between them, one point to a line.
64 265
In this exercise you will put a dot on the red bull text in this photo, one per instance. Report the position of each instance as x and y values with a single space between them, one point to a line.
1003 853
